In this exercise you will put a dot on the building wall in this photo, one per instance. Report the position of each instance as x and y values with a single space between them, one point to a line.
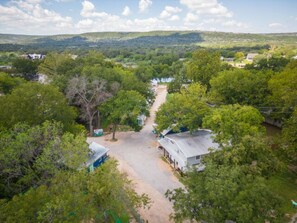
192 161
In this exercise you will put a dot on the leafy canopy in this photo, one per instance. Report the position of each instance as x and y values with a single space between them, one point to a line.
203 66
241 86
35 103
185 109
221 193
231 123
284 89
124 108
7 83
77 197
30 156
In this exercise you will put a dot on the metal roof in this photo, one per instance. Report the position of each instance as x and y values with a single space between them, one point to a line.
190 144
96 152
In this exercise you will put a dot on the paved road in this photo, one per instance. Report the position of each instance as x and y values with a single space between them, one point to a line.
140 159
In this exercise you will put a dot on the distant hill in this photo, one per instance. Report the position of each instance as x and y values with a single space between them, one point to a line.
143 39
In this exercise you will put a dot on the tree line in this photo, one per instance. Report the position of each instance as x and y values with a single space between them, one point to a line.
43 139
232 102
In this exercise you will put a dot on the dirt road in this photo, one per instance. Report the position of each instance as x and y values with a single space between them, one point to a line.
140 159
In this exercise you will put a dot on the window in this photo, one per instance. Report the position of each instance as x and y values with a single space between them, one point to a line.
197 157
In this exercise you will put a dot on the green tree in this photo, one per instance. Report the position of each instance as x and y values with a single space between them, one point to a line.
222 193
203 66
26 68
253 153
284 90
124 108
276 64
129 81
289 136
231 123
144 73
77 197
59 68
30 156
56 64
7 83
239 56
242 87
185 109
35 103
178 80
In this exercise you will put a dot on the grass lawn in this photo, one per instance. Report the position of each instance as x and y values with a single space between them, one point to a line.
286 186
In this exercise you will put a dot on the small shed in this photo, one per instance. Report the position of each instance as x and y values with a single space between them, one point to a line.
141 120
97 156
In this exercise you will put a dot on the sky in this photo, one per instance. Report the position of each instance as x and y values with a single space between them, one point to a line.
50 17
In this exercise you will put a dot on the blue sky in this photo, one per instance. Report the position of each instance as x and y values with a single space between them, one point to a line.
47 17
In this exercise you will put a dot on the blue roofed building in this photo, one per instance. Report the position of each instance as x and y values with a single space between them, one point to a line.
98 155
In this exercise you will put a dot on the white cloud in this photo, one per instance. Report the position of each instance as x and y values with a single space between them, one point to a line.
275 25
89 10
169 11
174 18
126 11
190 18
210 7
85 23
88 7
210 14
28 16
144 5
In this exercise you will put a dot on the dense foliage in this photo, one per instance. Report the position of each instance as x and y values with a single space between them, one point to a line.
183 110
31 156
106 195
203 66
42 175
124 109
34 103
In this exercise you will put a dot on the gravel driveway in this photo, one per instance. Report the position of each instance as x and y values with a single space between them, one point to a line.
139 157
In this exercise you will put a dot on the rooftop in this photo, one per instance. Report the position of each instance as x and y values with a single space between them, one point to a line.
191 144
97 151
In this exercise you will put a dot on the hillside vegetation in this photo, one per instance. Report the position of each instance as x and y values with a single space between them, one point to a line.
154 38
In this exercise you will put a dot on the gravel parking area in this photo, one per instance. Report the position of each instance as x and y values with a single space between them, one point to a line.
139 157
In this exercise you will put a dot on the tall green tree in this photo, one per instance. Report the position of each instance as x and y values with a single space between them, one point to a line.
56 64
124 108
7 83
242 87
129 81
203 66
31 156
183 110
35 103
289 136
284 90
231 123
222 193
59 68
276 64
26 68
239 56
105 195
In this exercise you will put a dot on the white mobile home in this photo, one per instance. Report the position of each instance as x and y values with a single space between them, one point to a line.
187 149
